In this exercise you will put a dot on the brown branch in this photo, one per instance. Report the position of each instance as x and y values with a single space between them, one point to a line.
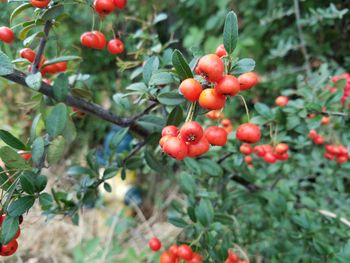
40 51
138 147
333 113
83 105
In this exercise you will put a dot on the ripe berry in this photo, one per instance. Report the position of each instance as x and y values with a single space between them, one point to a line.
120 4
9 249
61 66
201 147
313 134
89 39
270 158
40 3
104 7
247 80
175 148
259 150
115 46
212 67
191 89
216 135
210 99
281 148
171 130
6 34
185 252
248 132
154 244
228 85
196 258
226 122
167 257
319 140
174 250
325 120
191 132
26 156
28 54
101 40
281 101
163 140
248 159
246 149
221 51
215 114
342 159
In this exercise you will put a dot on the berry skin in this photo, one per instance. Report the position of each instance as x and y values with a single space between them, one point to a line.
201 147
9 249
115 46
216 135
163 140
210 99
259 150
228 85
270 158
191 132
174 249
28 54
281 148
89 39
6 34
175 148
191 89
185 252
281 101
61 66
342 159
325 120
196 258
171 130
154 244
246 149
167 257
247 80
215 115
248 159
120 4
221 51
104 7
212 67
319 140
313 134
248 132
101 40
40 3
26 156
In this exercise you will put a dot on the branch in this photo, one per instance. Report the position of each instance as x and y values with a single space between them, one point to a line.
83 105
40 52
242 181
144 112
301 37
333 113
223 158
134 151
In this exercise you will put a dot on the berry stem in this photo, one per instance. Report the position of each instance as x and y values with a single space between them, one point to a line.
245 106
191 112
93 20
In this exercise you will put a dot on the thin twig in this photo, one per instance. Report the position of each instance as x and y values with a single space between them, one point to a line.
223 158
134 151
144 112
41 48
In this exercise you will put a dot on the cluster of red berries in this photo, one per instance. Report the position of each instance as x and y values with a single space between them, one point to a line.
281 101
346 93
55 68
11 247
337 152
234 258
105 7
219 115
316 138
267 152
191 140
97 40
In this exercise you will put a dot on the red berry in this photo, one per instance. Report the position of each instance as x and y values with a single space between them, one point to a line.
2 218
175 148
191 89
89 39
174 249
163 140
167 257
6 34
115 46
28 54
259 150
210 99
248 159
248 132
221 51
171 130
329 156
104 7
319 140
227 85
9 249
201 147
26 156
154 244
281 101
342 159
185 252
281 148
247 80
101 40
120 4
40 3
269 158
196 258
246 149
325 120
191 132
313 134
216 135
212 67
61 66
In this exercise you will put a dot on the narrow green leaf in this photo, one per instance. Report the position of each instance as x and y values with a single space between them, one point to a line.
38 148
61 59
56 120
11 158
205 212
56 149
242 66
45 200
40 183
25 30
161 78
21 205
11 140
30 39
263 110
18 10
9 229
110 172
60 87
152 162
170 98
151 65
181 66
26 179
230 32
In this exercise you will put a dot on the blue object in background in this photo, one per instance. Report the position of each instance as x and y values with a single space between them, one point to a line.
102 155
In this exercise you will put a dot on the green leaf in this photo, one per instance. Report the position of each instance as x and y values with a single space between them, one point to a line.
26 180
56 120
230 32
79 170
193 165
6 66
70 132
11 140
177 221
53 12
30 39
11 158
181 66
61 59
242 66
110 172
210 167
118 137
60 87
187 183
4 180
175 117
205 212
21 205
170 98
151 65
55 150
38 148
9 229
107 187
25 30
161 78
40 183
263 110
138 86
45 200
152 162
134 163
19 10
34 81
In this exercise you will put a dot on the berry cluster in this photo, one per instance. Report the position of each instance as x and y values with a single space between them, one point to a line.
337 152
346 93
267 152
219 115
191 140
234 258
97 40
11 247
316 138
105 7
